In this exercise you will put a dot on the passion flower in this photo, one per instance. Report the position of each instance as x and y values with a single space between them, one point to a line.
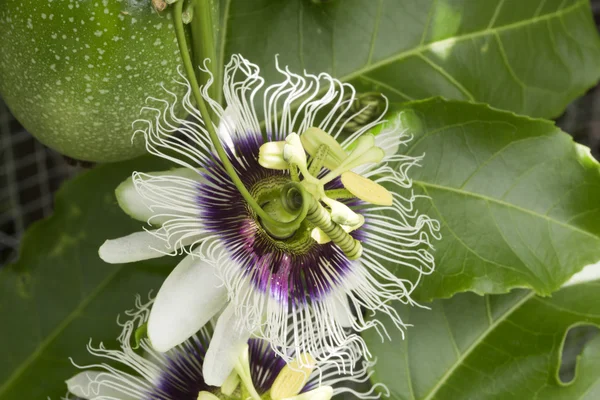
259 372
313 237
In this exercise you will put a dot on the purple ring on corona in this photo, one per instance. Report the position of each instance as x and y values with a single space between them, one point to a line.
288 270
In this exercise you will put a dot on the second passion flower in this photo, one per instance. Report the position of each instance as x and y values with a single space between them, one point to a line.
328 217
259 373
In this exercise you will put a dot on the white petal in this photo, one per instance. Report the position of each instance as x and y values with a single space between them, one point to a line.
343 312
226 345
227 128
190 296
137 247
93 384
138 206
587 274
321 393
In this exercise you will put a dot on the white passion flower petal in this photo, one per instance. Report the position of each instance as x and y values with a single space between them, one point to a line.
93 385
137 204
228 342
190 296
342 312
138 246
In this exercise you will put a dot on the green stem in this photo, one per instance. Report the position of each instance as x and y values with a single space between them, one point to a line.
189 69
203 41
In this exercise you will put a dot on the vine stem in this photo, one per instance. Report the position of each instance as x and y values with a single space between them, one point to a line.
189 69
203 41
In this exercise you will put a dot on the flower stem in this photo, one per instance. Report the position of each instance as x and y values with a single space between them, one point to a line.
189 69
203 40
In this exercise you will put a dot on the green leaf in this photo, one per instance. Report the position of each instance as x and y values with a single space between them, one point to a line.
528 56
493 347
517 199
60 294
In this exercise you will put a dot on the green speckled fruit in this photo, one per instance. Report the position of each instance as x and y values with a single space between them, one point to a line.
76 73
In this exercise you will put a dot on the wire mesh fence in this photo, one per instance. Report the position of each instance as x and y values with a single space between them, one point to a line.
30 174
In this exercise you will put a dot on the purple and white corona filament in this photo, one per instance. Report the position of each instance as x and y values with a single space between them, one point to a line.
234 261
259 373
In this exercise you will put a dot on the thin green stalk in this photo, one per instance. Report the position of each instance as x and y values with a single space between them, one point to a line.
190 72
203 41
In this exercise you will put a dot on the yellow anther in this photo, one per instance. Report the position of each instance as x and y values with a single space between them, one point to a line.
293 377
313 138
270 155
365 152
366 190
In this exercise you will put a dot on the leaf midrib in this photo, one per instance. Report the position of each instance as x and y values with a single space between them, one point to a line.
369 67
506 204
57 331
475 344
488 31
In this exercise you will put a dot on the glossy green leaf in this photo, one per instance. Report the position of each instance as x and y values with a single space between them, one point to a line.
493 347
528 56
60 294
517 199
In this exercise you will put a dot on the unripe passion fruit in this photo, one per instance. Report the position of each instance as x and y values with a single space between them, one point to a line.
76 73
